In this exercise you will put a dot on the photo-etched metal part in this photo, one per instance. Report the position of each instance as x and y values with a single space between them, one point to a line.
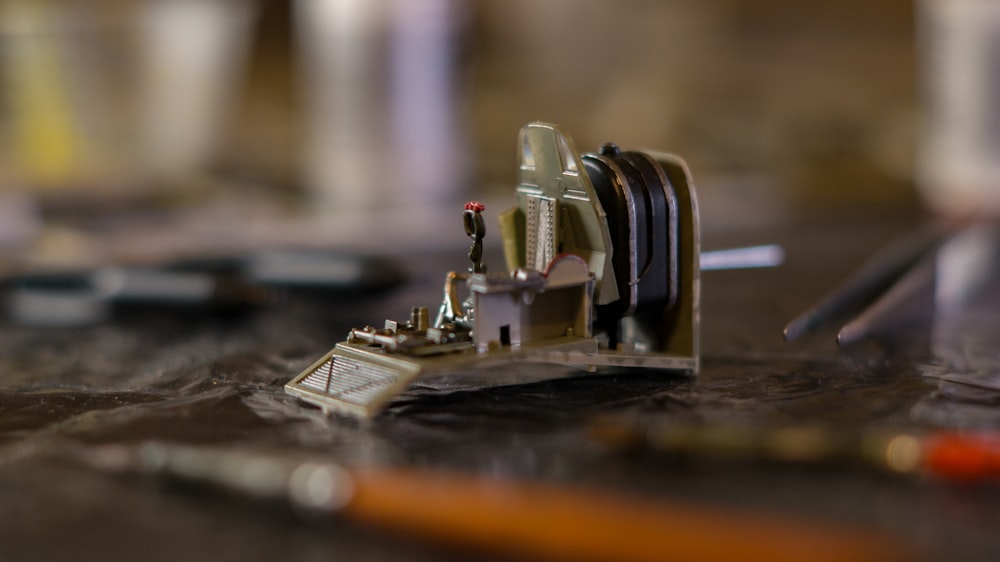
587 232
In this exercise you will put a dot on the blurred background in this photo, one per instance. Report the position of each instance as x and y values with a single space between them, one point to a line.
189 135
131 129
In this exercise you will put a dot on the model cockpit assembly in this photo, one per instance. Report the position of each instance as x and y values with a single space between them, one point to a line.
602 254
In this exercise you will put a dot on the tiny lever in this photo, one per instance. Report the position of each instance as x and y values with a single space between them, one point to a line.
475 228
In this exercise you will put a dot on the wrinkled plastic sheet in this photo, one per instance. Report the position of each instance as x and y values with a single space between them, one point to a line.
218 381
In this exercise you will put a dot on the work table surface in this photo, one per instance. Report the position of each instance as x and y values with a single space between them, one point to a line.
218 381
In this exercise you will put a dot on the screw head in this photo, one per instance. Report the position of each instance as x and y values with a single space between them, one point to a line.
609 149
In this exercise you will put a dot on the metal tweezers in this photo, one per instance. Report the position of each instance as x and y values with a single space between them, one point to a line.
879 288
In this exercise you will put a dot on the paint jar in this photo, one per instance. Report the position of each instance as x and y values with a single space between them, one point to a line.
958 167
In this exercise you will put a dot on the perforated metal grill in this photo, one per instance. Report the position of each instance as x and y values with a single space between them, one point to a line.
351 380
540 231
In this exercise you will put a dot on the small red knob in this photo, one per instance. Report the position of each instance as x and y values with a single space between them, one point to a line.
475 206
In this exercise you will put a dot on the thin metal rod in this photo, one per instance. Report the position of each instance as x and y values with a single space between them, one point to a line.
882 310
768 255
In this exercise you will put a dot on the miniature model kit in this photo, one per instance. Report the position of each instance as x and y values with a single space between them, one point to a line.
602 253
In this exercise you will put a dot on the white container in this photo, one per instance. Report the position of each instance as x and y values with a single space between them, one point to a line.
958 168
381 107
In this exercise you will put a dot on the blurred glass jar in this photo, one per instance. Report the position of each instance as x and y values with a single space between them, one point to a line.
958 169
106 95
382 125
193 54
